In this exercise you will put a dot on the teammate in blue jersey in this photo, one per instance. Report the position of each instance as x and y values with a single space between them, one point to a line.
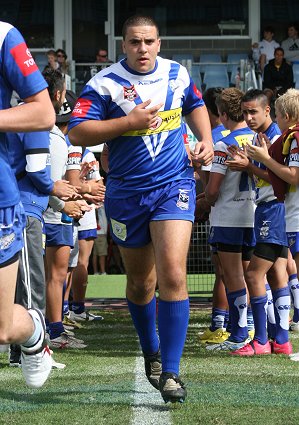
29 159
19 72
271 251
136 107
231 196
217 331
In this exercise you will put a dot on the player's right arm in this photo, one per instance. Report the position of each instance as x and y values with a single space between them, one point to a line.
92 132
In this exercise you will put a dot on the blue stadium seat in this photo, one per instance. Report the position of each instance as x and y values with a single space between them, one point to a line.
183 57
209 58
216 80
233 60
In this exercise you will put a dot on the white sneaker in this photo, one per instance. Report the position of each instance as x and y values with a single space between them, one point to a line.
85 316
294 327
294 357
66 341
227 345
36 361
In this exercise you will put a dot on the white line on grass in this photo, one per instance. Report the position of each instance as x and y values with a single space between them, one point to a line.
149 407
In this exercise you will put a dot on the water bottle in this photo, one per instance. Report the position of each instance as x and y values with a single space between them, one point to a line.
65 218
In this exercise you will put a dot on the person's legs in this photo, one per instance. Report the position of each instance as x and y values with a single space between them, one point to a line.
237 297
17 325
80 279
277 278
56 260
31 285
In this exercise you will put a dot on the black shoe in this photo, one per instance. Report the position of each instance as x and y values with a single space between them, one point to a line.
15 355
172 388
153 368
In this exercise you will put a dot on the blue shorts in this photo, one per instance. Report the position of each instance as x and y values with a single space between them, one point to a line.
12 223
129 218
87 234
293 239
59 234
269 223
236 236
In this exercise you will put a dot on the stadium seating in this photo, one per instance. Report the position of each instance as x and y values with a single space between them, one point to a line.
209 58
216 80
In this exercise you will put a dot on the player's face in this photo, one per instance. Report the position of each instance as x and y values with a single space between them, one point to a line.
255 115
282 120
141 46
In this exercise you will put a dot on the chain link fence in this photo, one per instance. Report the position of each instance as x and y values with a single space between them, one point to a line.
199 264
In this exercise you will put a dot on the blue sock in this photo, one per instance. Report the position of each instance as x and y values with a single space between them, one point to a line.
294 289
237 302
259 312
65 308
227 321
144 319
173 319
78 308
218 319
55 329
250 321
271 325
282 306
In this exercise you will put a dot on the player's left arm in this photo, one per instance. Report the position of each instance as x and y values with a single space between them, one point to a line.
213 187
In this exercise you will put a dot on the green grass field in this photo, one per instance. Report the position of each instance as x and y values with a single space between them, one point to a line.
113 286
98 384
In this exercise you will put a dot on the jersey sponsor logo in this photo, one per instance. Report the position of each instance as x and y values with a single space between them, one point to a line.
294 156
24 59
183 201
81 108
74 158
219 157
130 93
166 121
148 82
244 139
197 92
119 229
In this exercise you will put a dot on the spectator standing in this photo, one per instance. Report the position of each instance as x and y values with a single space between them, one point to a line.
52 59
17 325
137 104
291 44
278 74
263 51
63 65
102 61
